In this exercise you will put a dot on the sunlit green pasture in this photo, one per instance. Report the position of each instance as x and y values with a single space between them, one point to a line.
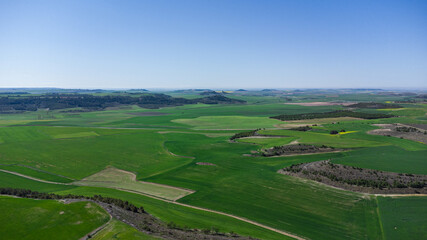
319 138
389 158
141 151
48 219
229 122
403 217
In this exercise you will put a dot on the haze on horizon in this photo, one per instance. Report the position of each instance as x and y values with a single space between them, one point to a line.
213 44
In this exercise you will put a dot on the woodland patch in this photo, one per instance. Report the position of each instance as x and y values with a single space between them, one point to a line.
358 179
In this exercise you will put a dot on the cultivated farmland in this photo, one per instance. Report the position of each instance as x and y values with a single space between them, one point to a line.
179 163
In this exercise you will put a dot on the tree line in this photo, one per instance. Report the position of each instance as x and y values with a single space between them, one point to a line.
374 105
362 180
245 134
91 102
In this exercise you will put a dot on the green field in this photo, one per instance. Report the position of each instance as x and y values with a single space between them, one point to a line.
48 219
268 142
389 158
119 179
403 218
228 122
121 153
118 230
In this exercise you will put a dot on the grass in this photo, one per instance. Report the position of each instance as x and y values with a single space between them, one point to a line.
135 150
10 180
36 173
249 187
319 121
403 218
319 138
268 142
76 135
228 122
244 187
387 158
48 219
182 216
119 179
118 230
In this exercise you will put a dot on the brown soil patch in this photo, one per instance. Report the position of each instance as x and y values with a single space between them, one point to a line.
419 126
394 130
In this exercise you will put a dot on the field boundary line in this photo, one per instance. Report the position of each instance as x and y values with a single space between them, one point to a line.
379 219
218 212
33 178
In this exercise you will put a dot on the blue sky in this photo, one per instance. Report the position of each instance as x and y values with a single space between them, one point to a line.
213 44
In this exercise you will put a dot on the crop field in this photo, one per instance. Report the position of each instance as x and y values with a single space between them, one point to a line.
151 158
229 122
118 230
119 179
403 218
48 219
389 158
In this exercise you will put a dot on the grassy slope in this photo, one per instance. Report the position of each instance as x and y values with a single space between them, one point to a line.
134 150
389 158
324 138
229 122
118 230
48 219
35 173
